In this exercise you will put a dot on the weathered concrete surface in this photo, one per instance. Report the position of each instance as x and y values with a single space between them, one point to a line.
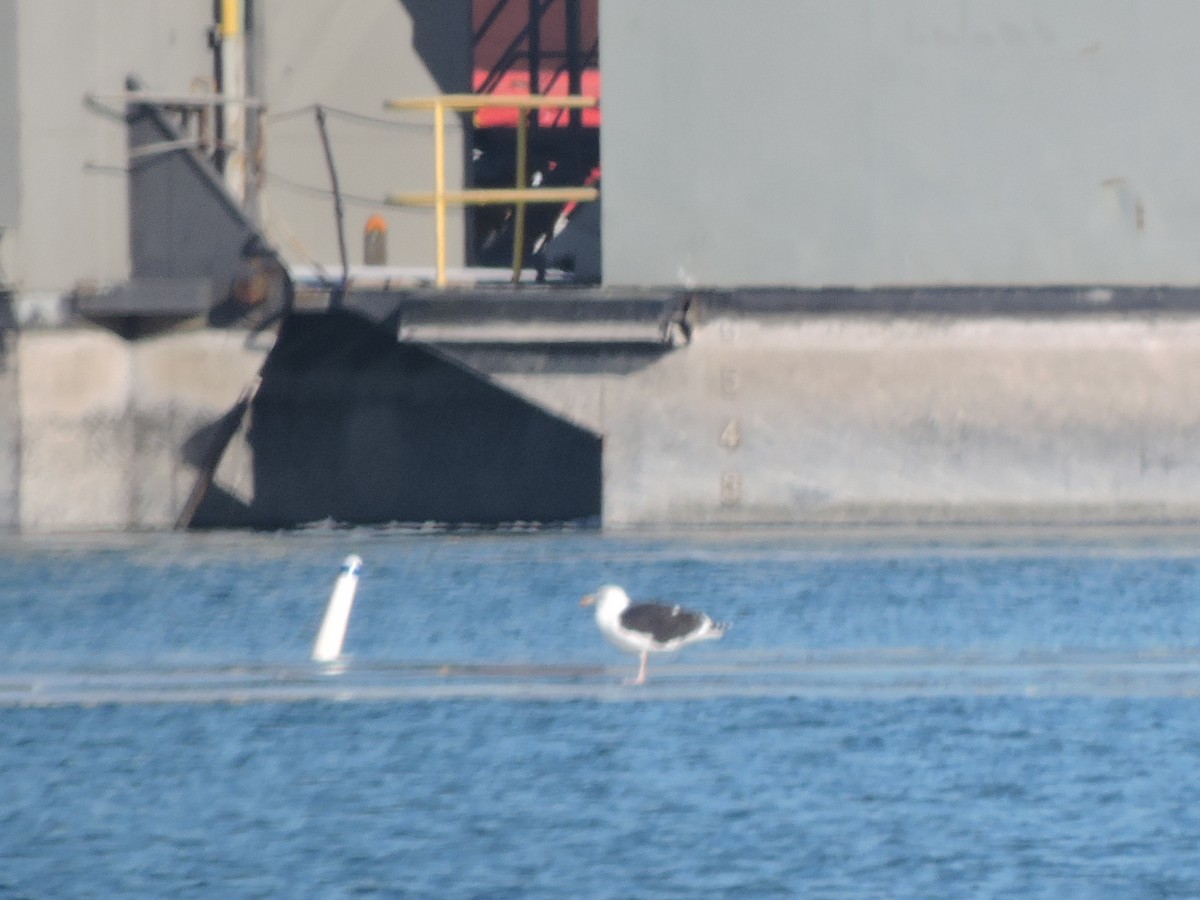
110 430
760 418
776 420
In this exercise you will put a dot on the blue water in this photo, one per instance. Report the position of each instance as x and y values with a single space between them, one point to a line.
894 713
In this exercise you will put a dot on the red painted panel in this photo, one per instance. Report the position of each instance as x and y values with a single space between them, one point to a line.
517 83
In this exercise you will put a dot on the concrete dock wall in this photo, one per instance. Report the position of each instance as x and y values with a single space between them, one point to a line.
853 419
109 431
760 417
871 418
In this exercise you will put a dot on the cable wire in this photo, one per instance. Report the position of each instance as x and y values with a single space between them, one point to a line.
348 115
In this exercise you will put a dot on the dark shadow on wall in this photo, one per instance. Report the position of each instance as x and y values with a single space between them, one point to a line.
442 38
352 427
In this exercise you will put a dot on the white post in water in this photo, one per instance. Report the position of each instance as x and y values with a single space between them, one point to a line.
328 646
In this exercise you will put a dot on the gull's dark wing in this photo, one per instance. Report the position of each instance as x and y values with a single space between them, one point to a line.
661 621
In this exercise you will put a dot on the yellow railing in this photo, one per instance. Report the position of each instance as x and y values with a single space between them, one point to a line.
518 196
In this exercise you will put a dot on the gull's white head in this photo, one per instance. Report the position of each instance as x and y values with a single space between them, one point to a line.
607 596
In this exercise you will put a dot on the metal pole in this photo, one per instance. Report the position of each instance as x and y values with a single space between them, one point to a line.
439 187
535 46
536 11
337 204
233 84
522 183
574 67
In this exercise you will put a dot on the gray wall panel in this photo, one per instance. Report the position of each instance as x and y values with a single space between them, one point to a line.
74 199
347 55
351 57
10 173
865 142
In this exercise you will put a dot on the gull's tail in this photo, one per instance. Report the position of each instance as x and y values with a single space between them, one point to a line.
713 630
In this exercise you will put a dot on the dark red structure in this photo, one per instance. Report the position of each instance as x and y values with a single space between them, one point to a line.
522 47
549 47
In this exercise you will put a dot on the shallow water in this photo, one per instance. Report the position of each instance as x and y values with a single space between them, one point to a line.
894 713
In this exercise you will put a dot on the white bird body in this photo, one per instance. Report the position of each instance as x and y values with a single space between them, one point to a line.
645 628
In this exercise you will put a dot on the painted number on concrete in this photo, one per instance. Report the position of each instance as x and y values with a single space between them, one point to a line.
731 434
731 488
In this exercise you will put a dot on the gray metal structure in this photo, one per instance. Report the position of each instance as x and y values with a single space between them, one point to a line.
64 201
193 250
789 142
72 225
350 58
10 161
871 142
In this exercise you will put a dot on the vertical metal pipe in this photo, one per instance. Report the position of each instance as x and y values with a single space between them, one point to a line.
233 85
534 39
253 114
439 187
337 204
522 182
535 46
574 61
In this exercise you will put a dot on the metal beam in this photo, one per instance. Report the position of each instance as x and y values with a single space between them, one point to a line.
497 196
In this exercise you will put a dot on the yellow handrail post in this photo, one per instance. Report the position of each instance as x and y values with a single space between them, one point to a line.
231 18
439 182
522 182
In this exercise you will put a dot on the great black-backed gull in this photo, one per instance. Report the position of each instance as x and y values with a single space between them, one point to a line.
646 628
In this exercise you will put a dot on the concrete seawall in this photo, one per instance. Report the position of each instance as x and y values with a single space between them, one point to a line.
757 417
867 418
844 418
106 433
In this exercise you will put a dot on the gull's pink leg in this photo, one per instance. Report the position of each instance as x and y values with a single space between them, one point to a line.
641 675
